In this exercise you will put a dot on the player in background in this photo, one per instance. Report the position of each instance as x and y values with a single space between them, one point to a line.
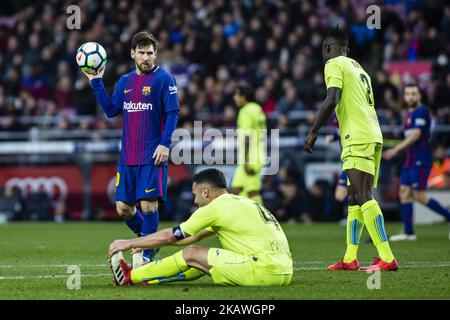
340 194
147 99
349 91
251 153
419 159
255 251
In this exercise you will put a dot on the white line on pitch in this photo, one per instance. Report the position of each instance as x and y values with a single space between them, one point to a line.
57 276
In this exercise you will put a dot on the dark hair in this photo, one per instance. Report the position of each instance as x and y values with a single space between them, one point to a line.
246 91
340 36
214 177
411 85
144 39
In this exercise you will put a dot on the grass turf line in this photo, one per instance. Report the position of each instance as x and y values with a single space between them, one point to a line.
34 259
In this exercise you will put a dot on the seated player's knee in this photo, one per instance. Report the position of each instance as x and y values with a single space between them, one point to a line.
421 197
149 205
189 253
124 210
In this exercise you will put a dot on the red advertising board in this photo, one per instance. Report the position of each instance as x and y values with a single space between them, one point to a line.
61 183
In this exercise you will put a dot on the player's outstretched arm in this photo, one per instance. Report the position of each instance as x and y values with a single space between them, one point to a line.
158 239
196 238
413 137
326 110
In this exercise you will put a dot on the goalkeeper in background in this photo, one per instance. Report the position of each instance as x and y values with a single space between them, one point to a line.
251 150
255 251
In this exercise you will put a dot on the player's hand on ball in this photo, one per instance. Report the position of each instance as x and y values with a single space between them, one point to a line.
389 154
119 245
161 155
309 142
95 75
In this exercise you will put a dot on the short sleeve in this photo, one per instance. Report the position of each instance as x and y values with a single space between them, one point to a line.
333 74
202 218
170 97
420 119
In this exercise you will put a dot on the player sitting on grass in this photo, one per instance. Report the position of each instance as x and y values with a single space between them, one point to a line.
255 251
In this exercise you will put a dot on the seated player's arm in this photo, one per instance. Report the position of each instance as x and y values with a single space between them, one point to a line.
158 239
192 239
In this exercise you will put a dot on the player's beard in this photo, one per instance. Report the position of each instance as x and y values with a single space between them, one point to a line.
144 68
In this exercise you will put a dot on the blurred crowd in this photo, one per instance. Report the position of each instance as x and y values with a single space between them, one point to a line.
211 45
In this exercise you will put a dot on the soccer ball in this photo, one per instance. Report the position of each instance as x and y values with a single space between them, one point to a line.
91 57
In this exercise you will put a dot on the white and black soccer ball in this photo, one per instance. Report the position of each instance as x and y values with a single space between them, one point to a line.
91 57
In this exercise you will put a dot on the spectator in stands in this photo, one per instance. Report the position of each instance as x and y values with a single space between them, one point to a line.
10 203
439 177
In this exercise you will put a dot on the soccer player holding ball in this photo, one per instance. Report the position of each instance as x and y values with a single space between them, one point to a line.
349 92
147 98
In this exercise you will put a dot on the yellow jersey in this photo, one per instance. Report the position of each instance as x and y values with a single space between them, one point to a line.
358 121
243 226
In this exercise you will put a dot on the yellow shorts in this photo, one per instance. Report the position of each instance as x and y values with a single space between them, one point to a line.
363 157
236 269
247 182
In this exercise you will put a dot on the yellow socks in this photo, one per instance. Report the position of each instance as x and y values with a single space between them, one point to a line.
188 275
373 219
355 226
167 267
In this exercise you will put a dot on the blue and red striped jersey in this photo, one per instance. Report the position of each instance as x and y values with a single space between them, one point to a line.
145 101
419 153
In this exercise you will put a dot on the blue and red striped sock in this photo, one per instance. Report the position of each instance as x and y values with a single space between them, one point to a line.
438 208
407 217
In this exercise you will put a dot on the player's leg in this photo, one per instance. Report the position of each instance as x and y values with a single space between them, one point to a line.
126 198
150 224
151 187
362 168
355 226
373 217
406 206
191 262
420 194
238 182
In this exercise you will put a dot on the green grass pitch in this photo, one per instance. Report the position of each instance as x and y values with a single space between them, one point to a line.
34 259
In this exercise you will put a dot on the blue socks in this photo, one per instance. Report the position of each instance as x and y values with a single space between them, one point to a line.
407 217
135 222
150 225
438 208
